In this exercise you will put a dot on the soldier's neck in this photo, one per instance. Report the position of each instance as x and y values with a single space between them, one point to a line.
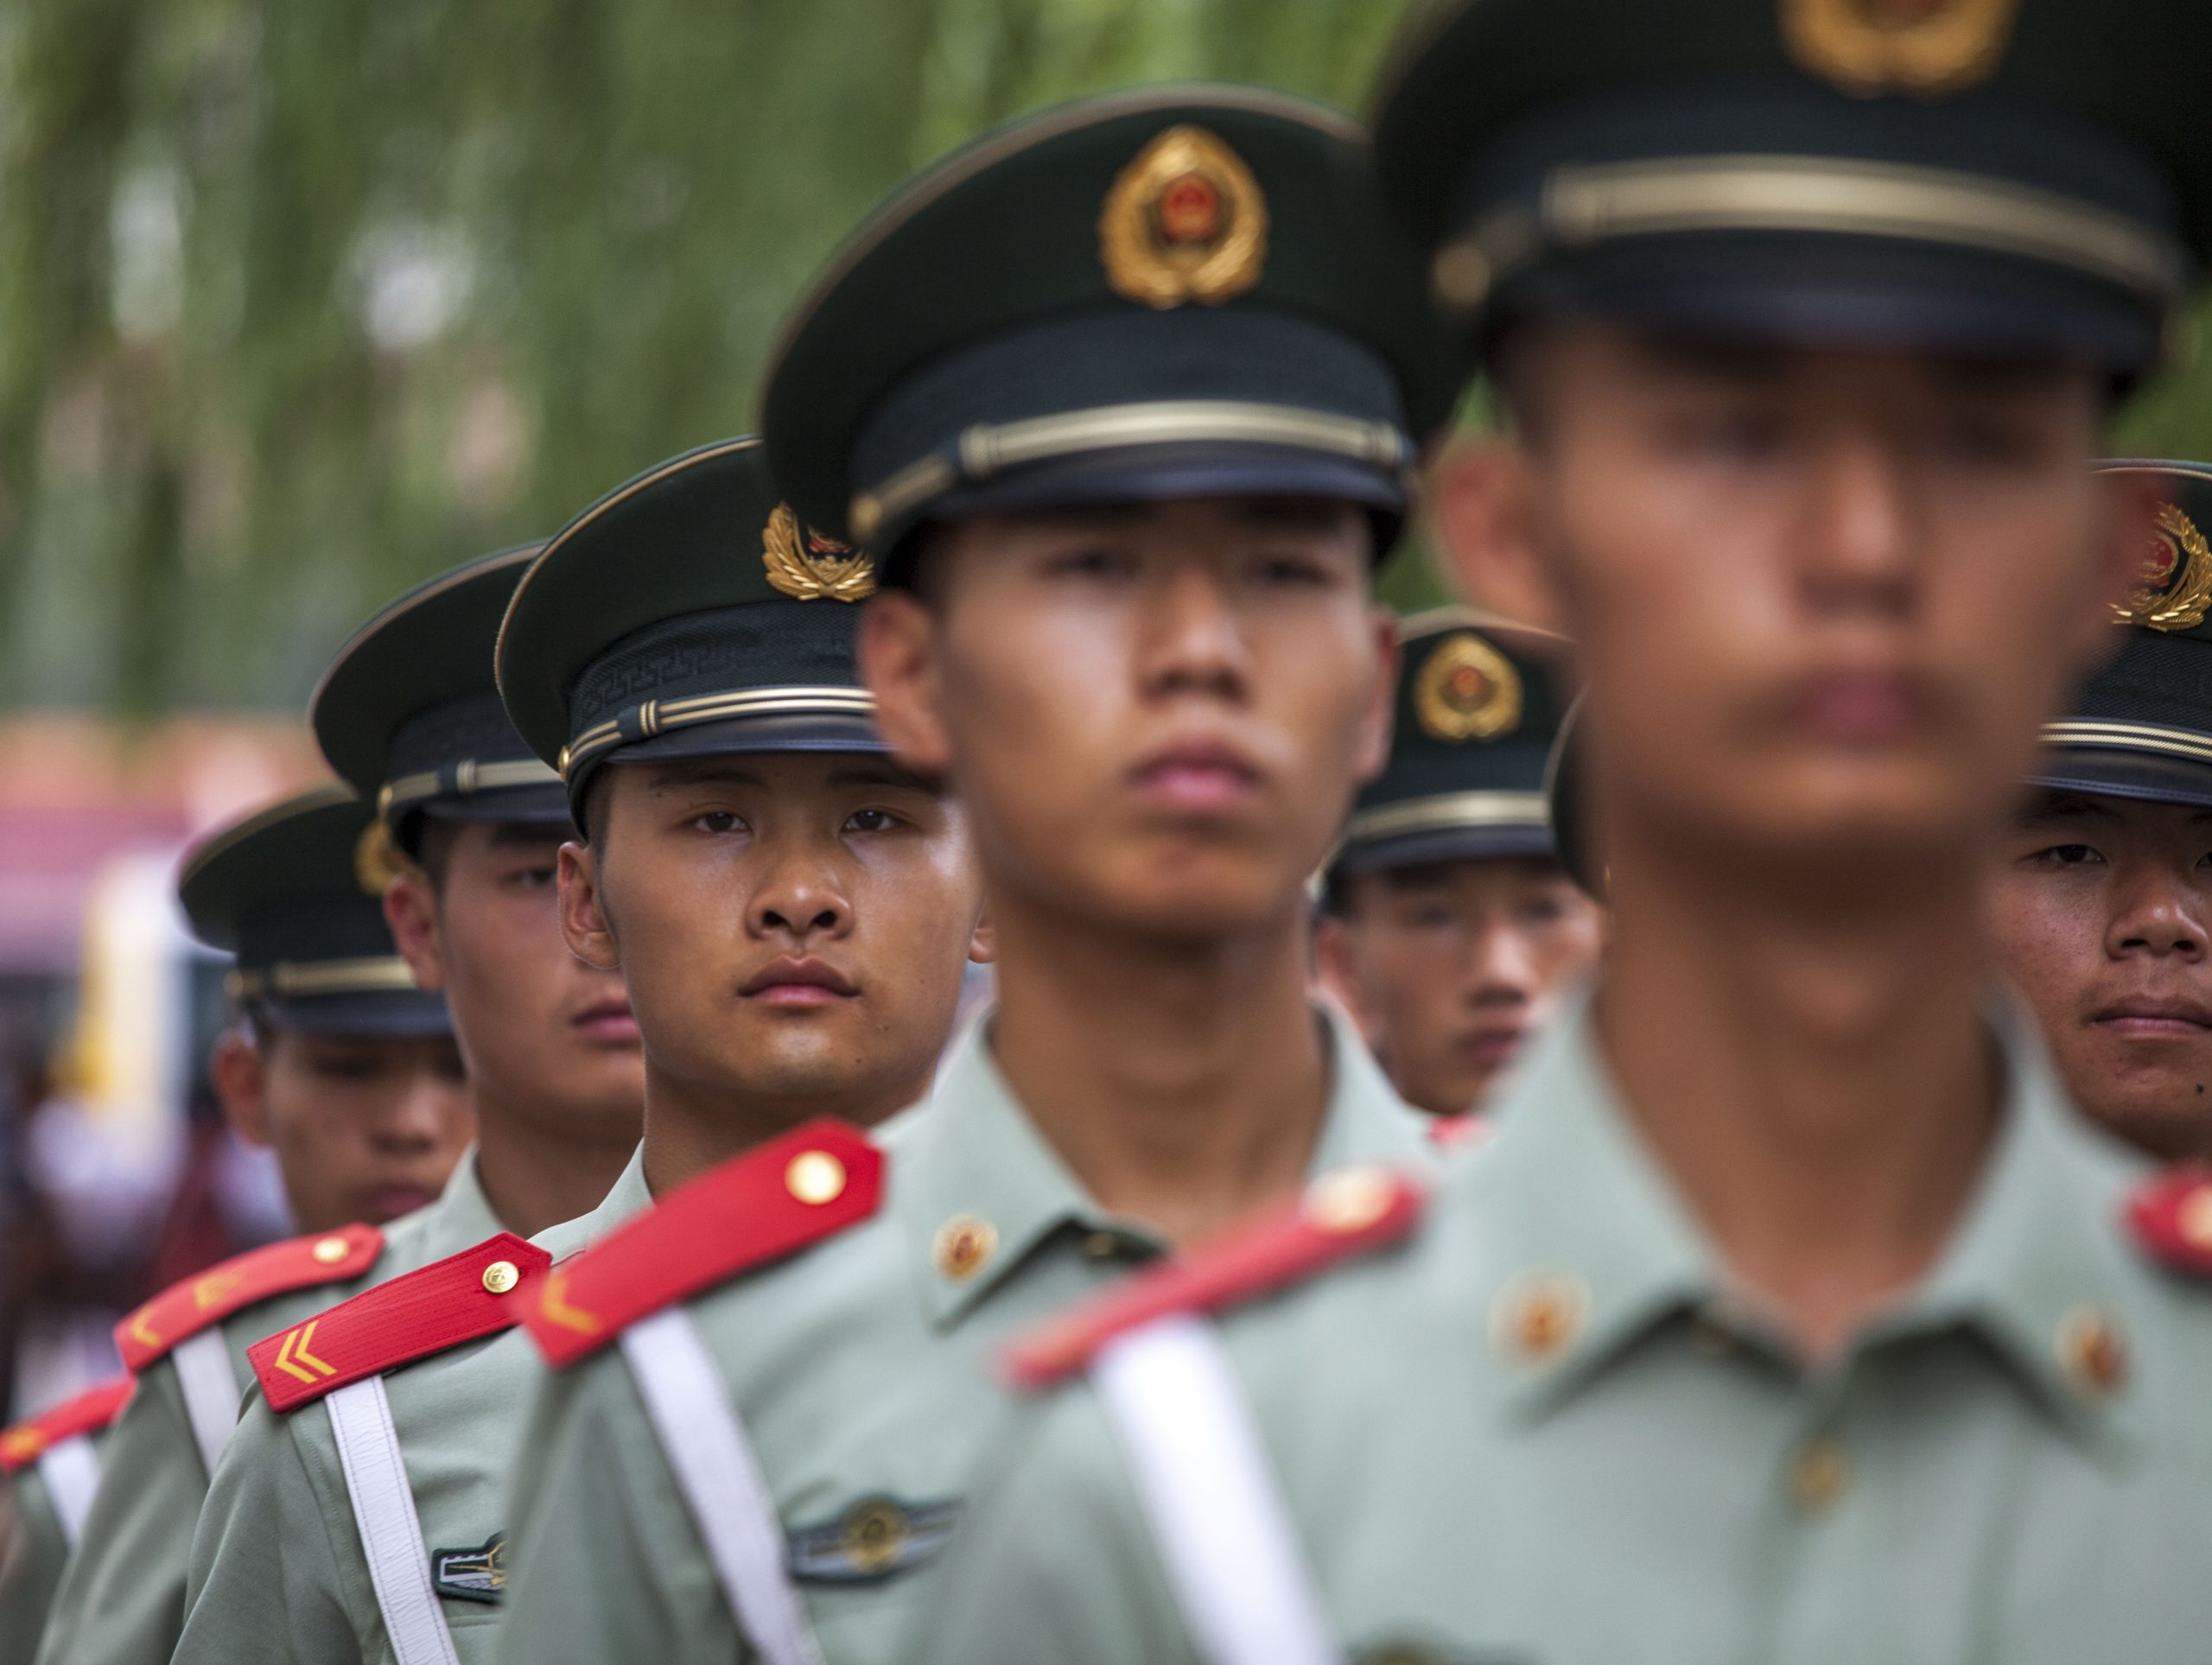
1812 1064
535 1176
692 1126
1183 1082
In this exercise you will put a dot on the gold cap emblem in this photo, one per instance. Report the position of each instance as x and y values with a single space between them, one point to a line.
806 566
1185 221
1926 47
1467 689
377 861
2177 586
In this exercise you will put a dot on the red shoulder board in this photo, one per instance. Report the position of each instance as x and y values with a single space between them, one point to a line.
185 1309
88 1413
1459 1133
1341 1214
772 1201
476 1293
2170 1214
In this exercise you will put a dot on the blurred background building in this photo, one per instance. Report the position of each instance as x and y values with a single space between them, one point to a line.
301 302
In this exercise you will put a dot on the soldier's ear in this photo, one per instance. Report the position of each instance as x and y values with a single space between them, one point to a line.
585 926
411 911
898 654
1483 505
238 1074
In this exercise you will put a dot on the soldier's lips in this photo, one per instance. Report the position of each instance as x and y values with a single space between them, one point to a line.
610 1022
1494 1048
1199 777
390 1202
2154 1018
798 983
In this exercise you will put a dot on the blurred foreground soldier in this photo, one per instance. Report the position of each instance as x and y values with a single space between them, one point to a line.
1792 1314
409 712
794 913
1448 926
2103 898
1117 403
347 1072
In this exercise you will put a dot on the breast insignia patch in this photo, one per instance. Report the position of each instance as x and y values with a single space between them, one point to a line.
478 1575
877 1538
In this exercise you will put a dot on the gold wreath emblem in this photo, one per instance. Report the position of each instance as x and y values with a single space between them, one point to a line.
806 566
377 861
1185 221
1919 46
1468 691
2176 589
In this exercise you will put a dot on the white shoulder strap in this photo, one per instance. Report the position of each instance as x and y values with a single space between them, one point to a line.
720 1480
391 1535
1225 1534
211 1391
70 1470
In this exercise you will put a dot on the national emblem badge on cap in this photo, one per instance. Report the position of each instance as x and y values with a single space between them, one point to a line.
1917 47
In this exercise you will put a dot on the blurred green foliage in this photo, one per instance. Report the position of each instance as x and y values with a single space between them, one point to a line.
303 300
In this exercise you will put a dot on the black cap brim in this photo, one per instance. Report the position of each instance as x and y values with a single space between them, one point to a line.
2105 774
1445 844
383 1015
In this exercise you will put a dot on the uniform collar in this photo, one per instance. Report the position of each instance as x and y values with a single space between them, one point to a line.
971 1160
1594 1232
629 1195
462 1213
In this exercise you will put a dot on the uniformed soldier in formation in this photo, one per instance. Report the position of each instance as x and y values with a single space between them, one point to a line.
1116 406
1791 1313
1448 926
469 823
49 1469
348 1069
794 913
2103 897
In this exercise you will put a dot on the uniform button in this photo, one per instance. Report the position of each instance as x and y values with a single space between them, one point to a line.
1351 1200
501 1276
814 1177
2094 1351
963 1243
1819 1475
2195 1218
1538 1316
1102 1245
330 1251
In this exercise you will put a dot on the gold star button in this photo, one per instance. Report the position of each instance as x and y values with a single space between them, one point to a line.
1341 1204
1538 1316
501 1276
2195 1218
1820 1473
330 1251
964 1244
2094 1351
814 1177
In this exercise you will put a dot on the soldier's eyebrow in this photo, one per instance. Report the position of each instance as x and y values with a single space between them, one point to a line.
2051 809
885 775
681 777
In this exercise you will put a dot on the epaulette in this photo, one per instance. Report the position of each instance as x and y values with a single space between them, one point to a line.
772 1201
185 1308
1458 1133
478 1292
1342 1215
88 1413
2170 1214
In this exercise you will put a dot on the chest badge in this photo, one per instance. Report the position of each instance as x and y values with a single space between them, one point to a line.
1922 47
807 567
1467 689
876 1539
1185 221
478 1575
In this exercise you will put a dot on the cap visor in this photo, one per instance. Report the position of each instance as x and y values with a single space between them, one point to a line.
1443 844
1143 473
2122 774
391 1014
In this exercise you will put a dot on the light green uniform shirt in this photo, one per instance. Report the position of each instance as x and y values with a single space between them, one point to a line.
34 1549
278 1572
862 1370
1546 1431
122 1599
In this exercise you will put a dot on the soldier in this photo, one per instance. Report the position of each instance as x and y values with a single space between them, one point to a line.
1790 1313
1117 403
794 913
2099 909
345 1069
408 714
1448 926
51 1466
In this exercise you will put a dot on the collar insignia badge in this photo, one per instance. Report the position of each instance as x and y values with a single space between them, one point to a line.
1185 221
